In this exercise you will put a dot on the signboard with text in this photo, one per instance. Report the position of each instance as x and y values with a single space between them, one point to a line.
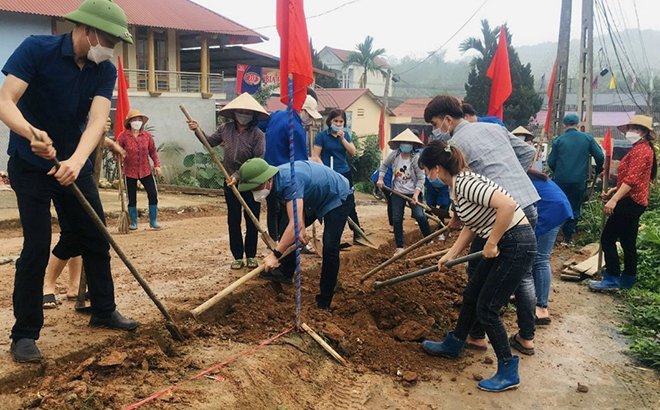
250 78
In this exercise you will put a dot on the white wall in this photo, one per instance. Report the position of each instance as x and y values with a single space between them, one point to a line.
14 28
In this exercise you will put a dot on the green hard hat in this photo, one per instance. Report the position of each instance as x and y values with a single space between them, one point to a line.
103 15
254 172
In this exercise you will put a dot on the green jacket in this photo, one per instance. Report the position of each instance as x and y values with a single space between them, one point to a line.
569 158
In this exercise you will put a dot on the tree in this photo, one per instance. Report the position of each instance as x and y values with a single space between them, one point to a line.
365 57
322 80
524 102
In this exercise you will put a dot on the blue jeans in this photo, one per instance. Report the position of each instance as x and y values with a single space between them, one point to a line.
492 284
525 294
542 271
398 206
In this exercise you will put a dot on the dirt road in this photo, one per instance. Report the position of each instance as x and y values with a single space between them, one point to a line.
187 262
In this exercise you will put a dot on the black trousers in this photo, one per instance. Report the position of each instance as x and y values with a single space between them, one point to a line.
149 184
353 213
66 247
334 223
622 225
276 217
34 192
234 220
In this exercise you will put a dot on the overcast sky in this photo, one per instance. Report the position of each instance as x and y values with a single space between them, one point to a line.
416 27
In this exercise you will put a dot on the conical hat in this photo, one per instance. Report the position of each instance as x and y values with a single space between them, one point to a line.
244 102
642 120
405 136
521 131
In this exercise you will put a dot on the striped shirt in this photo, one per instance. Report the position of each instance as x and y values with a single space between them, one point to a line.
471 194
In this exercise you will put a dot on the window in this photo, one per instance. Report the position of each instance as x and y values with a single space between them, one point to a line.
160 59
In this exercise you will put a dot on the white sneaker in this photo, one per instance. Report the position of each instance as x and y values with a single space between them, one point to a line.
441 237
398 251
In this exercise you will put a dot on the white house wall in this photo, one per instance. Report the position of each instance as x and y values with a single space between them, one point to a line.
14 28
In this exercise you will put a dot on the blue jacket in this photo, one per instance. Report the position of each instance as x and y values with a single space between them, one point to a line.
277 139
553 208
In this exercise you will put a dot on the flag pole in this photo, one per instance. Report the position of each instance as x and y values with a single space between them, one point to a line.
603 217
295 205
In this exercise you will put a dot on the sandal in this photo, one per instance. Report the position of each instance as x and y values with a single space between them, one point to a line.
542 321
49 301
514 343
237 264
475 347
252 263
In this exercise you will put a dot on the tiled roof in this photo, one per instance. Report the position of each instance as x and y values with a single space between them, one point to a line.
606 119
412 107
330 98
174 14
343 56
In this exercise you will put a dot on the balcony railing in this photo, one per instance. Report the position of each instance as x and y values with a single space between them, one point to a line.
173 81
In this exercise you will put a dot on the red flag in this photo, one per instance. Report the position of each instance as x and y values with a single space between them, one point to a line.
295 54
500 72
381 129
123 105
551 93
607 147
423 137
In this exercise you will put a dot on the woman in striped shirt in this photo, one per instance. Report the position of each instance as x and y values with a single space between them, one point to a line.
488 211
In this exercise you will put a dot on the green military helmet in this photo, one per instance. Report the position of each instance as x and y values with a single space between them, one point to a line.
103 15
254 172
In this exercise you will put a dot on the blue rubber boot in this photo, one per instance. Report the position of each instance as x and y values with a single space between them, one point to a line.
450 347
506 377
132 213
153 214
608 284
627 281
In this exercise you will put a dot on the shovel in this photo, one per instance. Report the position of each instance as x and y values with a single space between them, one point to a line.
82 294
364 239
430 269
174 330
437 212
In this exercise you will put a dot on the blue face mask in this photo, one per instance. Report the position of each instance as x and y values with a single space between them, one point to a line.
406 148
439 135
335 128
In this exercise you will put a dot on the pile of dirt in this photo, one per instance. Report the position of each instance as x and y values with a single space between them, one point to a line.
377 329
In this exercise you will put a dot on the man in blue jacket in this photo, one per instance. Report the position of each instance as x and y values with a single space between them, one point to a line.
569 160
277 152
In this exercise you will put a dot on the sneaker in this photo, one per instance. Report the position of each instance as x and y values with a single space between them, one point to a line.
398 251
25 351
115 321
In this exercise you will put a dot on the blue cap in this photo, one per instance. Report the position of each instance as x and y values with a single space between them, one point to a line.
571 119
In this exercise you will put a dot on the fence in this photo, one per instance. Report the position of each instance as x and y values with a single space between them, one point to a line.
173 81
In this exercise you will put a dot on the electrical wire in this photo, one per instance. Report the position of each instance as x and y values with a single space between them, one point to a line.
431 54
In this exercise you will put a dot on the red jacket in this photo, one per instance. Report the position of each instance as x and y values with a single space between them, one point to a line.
138 150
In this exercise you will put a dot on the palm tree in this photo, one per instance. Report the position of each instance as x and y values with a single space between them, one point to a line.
366 57
488 45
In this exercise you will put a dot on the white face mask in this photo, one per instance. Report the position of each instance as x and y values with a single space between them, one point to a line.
305 118
261 194
243 119
633 137
98 53
136 125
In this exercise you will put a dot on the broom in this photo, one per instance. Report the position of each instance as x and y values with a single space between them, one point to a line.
124 221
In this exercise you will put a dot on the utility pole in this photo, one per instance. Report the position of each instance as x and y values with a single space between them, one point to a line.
561 74
586 69
385 101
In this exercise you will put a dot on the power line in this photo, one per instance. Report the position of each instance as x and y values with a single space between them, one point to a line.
348 3
446 42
